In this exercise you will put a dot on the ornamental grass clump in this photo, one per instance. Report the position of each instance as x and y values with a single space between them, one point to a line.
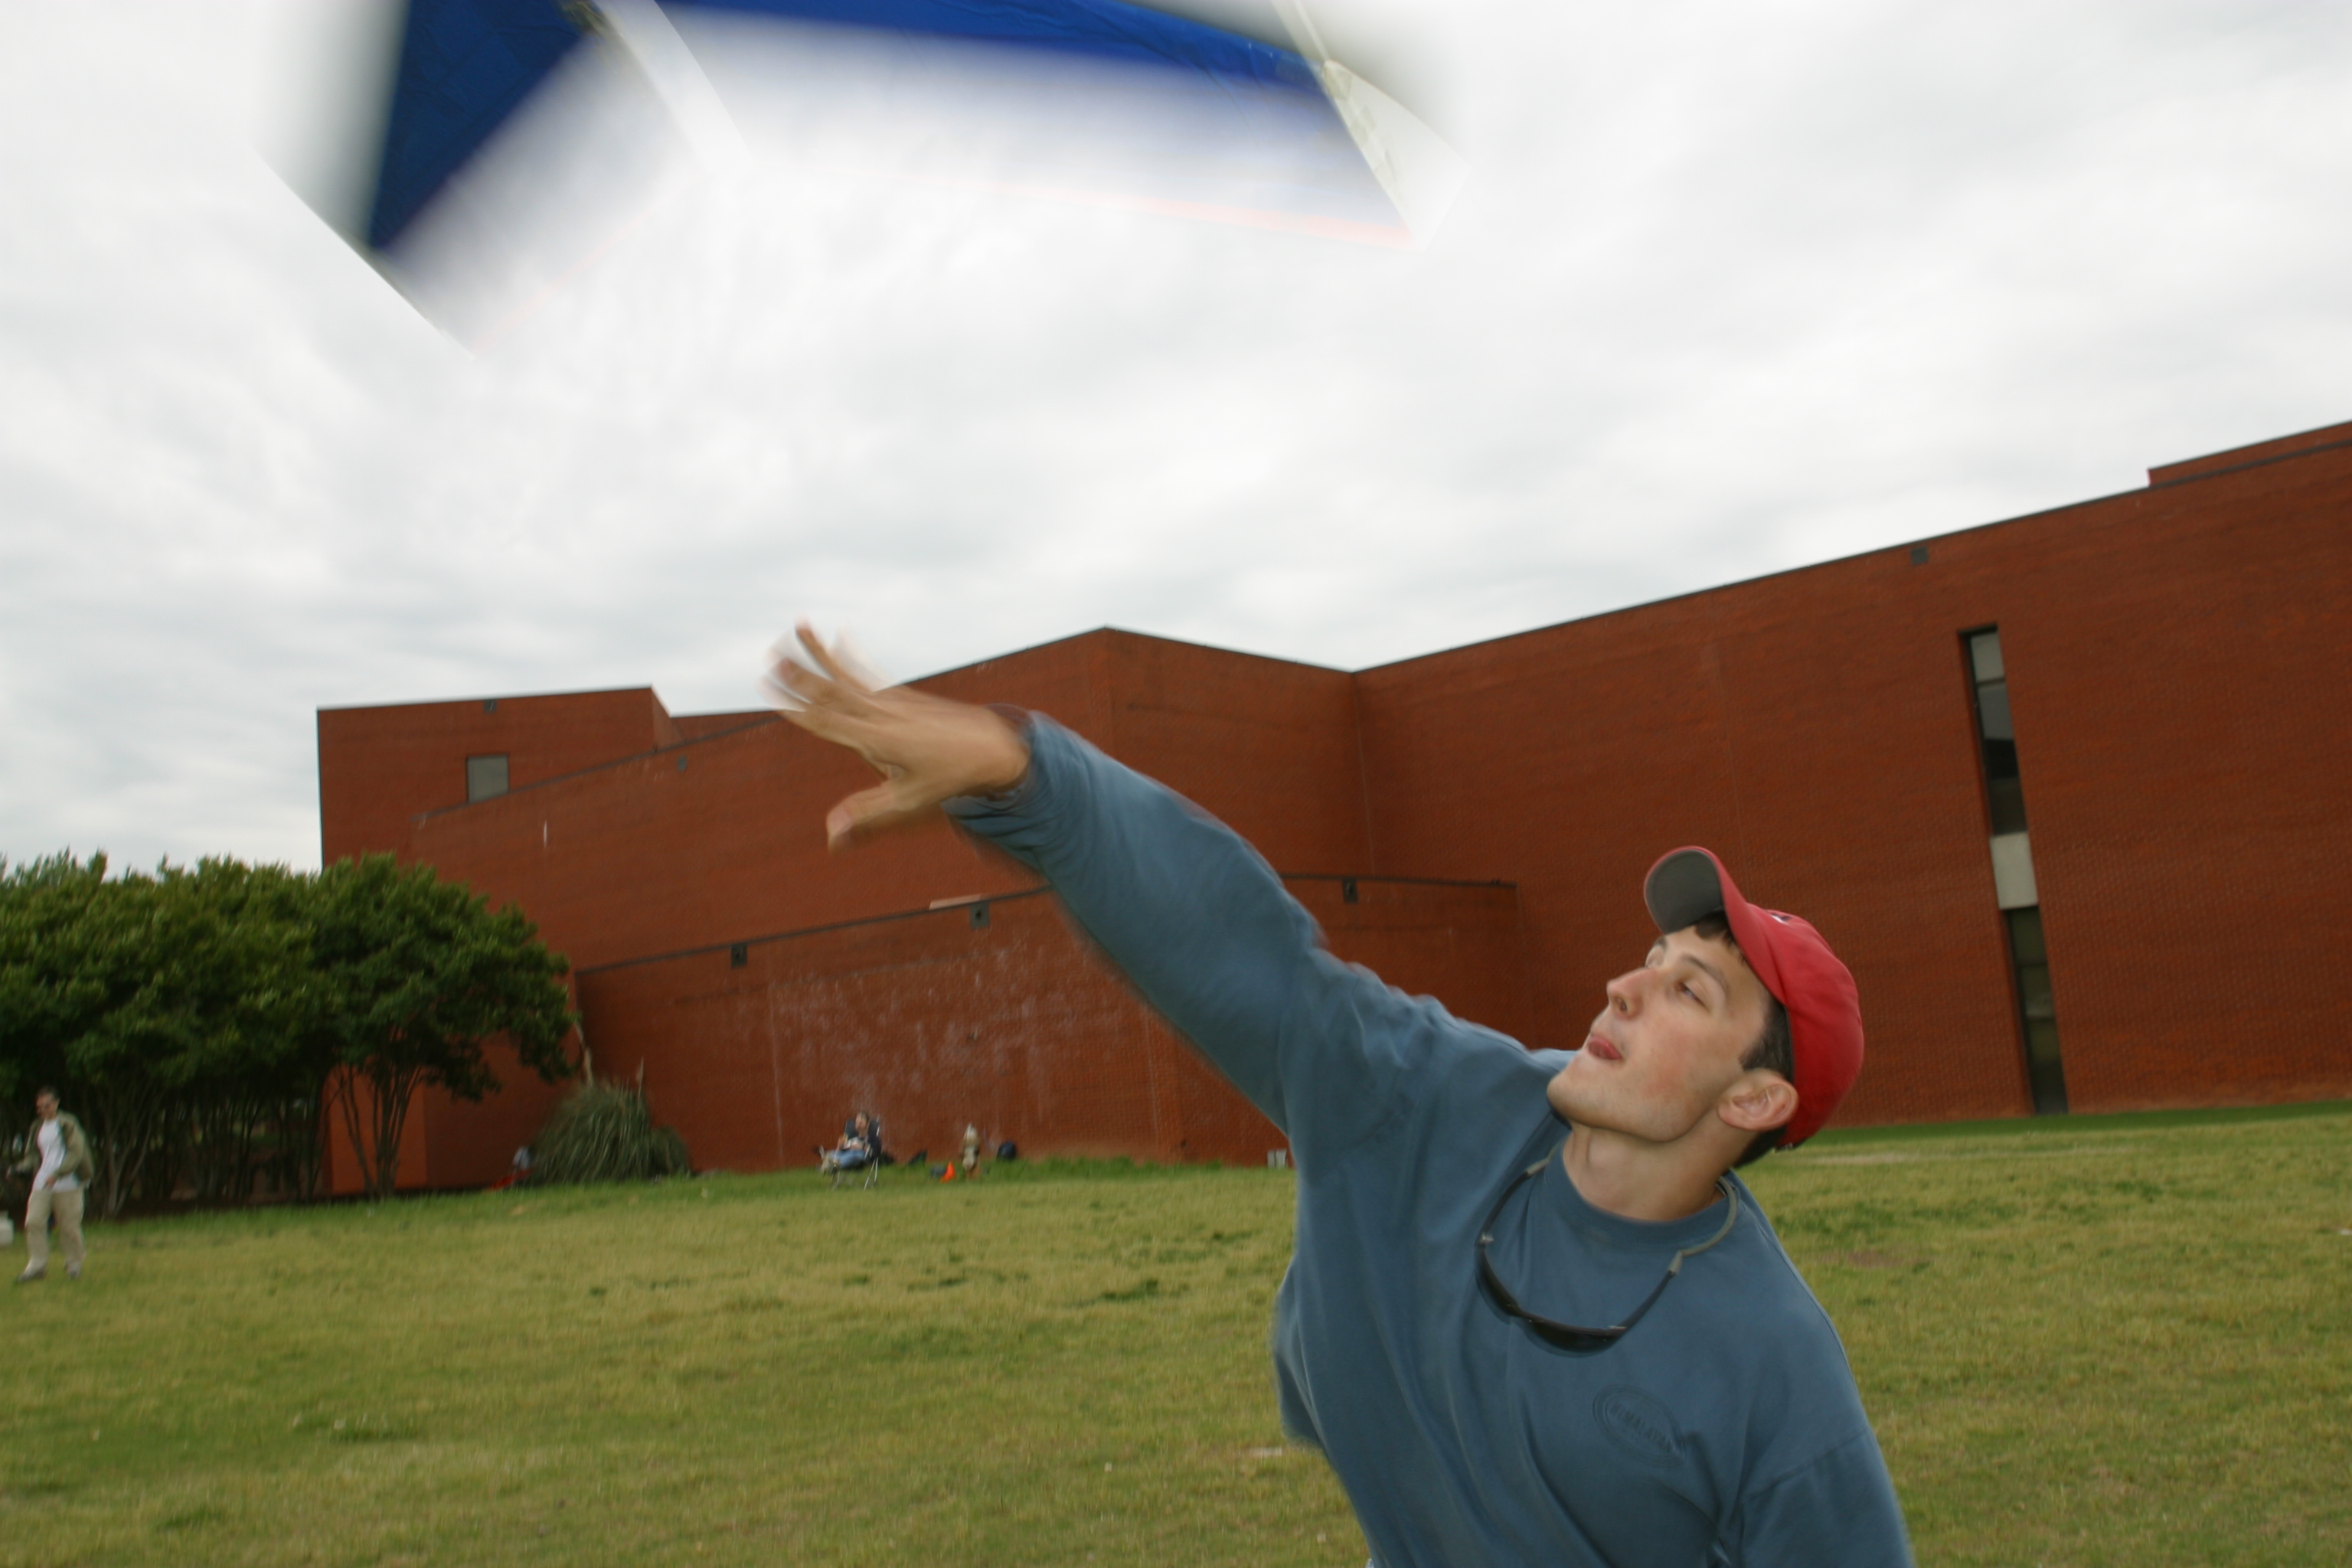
606 1132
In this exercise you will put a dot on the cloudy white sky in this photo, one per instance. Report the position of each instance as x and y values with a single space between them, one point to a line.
1734 288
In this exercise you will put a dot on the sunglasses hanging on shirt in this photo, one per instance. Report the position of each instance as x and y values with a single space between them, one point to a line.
1568 1336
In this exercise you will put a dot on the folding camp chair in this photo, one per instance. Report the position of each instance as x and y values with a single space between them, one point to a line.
843 1172
837 1164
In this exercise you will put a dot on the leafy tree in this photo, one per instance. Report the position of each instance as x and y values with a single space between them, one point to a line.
236 965
163 1001
118 1056
202 1018
44 999
415 975
63 976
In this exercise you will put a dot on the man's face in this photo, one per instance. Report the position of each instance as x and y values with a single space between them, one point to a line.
1668 1044
47 1107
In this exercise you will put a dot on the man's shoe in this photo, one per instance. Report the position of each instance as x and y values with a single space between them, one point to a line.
29 1274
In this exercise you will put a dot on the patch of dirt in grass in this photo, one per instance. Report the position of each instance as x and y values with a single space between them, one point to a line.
43 1487
189 1519
372 1429
756 1304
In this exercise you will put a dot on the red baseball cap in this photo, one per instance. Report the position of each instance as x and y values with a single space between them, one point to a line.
1795 965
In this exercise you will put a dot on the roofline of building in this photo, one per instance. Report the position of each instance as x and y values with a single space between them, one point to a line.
2288 455
1127 632
1930 539
492 697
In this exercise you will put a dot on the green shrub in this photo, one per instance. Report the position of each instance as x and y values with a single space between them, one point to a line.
606 1132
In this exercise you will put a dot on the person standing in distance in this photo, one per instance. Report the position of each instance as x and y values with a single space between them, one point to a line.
1533 1316
58 1157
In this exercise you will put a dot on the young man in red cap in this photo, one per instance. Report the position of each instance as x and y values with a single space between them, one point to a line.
1532 1316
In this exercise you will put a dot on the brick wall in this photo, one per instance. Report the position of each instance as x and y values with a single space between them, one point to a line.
378 767
2181 671
2181 667
993 1014
718 837
2185 726
721 838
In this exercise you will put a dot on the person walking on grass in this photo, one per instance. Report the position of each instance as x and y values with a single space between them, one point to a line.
58 1157
1533 1315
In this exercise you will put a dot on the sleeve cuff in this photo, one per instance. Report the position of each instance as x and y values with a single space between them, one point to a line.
1022 798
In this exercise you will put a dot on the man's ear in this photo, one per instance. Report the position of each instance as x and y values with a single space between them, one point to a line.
1760 1099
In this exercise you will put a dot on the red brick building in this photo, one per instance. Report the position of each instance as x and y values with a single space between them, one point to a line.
2068 791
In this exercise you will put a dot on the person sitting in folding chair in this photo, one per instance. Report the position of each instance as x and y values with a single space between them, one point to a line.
860 1148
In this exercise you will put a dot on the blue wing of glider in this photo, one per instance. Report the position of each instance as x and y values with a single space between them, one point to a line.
1109 29
1245 132
465 66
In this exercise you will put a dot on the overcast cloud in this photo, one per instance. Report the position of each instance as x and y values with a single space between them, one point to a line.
1733 288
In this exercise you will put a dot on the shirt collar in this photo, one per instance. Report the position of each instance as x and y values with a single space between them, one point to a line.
1557 1195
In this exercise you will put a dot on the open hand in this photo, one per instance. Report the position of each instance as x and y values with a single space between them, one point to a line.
928 749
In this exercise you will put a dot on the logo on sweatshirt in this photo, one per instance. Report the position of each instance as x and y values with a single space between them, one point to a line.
1636 1423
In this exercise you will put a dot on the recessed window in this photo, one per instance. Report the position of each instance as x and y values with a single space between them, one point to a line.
738 955
2037 1010
485 776
1997 733
2015 890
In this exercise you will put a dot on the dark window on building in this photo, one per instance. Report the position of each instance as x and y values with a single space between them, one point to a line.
2038 1011
2004 789
2014 884
979 917
485 776
738 955
1347 890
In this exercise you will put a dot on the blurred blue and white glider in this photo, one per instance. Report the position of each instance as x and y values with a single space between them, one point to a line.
519 138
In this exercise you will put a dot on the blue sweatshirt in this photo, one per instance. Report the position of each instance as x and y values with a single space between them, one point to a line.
1724 1428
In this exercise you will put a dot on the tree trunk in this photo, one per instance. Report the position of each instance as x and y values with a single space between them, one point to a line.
127 1121
303 1128
393 1090
378 1157
343 1089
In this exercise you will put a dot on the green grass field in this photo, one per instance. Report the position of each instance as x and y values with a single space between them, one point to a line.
2121 1341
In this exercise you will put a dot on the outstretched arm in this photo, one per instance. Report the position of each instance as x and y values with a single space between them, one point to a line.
1197 920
